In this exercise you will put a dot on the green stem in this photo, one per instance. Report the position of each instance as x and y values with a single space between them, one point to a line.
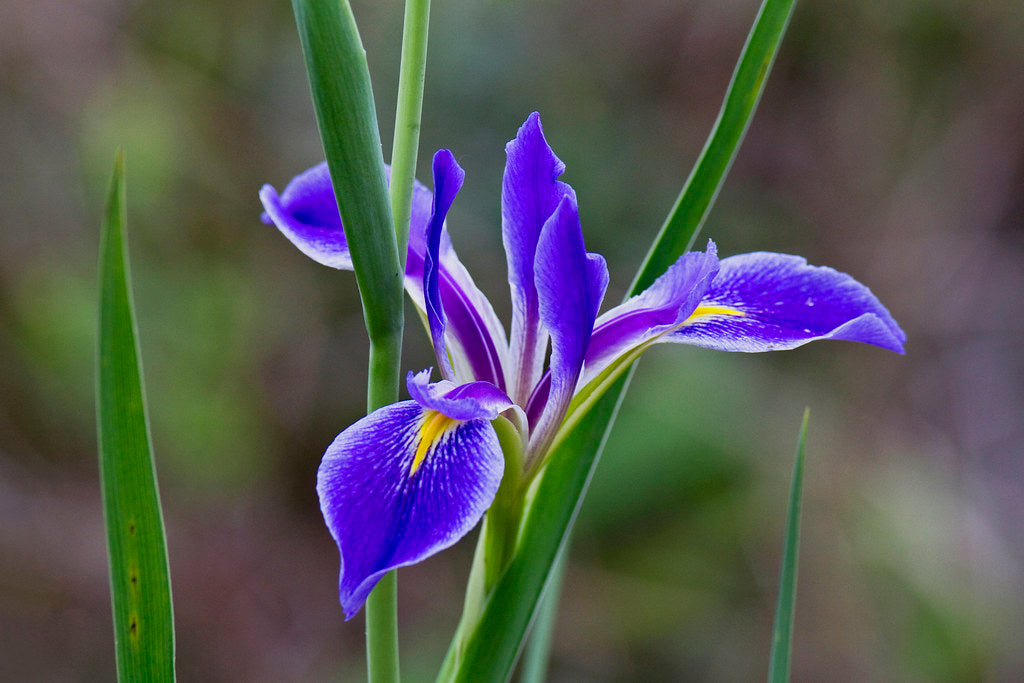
339 79
384 372
385 350
382 630
407 117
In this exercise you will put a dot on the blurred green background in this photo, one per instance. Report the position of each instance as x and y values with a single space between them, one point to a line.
889 144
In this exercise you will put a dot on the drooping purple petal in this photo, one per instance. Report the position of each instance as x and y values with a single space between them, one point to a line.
570 286
530 192
666 303
461 402
448 177
383 511
307 213
770 302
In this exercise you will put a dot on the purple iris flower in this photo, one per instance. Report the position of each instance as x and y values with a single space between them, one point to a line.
412 478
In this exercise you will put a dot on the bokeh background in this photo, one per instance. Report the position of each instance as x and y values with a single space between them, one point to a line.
889 144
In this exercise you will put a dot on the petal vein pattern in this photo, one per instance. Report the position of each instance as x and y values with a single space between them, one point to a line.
783 303
388 505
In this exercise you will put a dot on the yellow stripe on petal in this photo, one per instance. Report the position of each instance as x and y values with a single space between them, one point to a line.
434 426
704 310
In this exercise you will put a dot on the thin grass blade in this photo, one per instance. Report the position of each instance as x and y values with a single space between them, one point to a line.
782 638
491 650
140 584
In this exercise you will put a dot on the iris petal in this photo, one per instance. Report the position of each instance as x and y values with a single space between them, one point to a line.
448 177
385 513
530 193
307 214
771 302
666 303
570 286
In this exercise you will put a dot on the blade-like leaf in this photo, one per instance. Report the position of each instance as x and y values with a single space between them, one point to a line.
490 651
683 224
538 649
339 79
140 584
782 639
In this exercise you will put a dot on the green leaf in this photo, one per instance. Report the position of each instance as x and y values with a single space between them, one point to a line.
538 649
490 651
680 230
782 639
339 79
140 583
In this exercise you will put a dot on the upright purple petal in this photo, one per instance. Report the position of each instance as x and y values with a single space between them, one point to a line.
448 177
570 286
666 303
530 192
390 500
462 322
771 302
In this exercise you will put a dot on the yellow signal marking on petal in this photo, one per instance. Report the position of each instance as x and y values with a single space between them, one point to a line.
711 309
435 424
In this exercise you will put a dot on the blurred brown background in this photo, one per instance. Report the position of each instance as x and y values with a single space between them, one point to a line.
889 144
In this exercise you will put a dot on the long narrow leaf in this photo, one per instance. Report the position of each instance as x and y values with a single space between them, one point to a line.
140 584
534 668
490 651
339 80
683 224
782 639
